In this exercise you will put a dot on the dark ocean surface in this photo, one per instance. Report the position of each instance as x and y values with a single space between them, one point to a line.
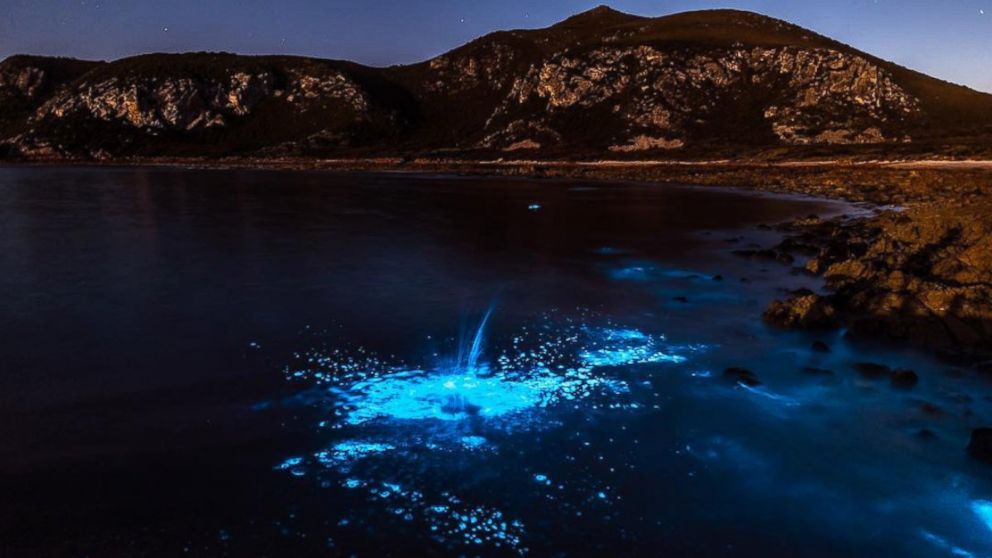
249 363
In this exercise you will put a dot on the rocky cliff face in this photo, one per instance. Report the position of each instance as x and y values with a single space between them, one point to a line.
180 103
189 103
599 84
170 102
20 81
654 99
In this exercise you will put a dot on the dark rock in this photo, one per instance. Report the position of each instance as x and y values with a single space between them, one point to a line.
904 378
817 371
742 376
680 299
931 409
872 370
980 445
926 434
820 347
718 277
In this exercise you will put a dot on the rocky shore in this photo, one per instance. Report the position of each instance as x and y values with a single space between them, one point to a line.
922 276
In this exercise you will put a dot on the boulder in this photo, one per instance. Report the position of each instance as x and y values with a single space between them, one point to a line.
803 311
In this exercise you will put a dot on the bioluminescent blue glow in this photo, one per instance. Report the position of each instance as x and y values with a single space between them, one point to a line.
628 355
400 413
476 351
647 271
473 442
943 544
983 509
449 519
419 395
351 450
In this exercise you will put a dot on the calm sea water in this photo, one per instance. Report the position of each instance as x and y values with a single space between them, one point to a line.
228 363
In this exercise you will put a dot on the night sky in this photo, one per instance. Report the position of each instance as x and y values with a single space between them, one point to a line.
951 39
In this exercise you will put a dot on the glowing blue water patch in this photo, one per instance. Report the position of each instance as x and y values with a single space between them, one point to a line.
450 520
339 365
289 463
623 347
627 356
294 465
421 413
777 398
631 273
621 334
350 451
648 271
473 442
417 395
534 207
983 509
943 544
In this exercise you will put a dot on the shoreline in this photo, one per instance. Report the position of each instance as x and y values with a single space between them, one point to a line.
882 182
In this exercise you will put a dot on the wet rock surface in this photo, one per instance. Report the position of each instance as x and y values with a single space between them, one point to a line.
921 276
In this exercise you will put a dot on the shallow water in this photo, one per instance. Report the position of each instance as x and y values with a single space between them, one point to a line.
252 363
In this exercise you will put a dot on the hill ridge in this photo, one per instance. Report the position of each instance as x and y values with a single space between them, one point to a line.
601 82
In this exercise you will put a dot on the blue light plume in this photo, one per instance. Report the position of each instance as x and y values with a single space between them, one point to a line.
396 414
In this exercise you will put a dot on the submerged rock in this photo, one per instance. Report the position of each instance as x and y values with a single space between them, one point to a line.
980 445
741 376
872 370
820 347
926 435
904 378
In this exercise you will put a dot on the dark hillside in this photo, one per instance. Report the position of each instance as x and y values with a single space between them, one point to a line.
719 83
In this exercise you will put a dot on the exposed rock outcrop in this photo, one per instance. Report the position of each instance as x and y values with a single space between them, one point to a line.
182 103
805 311
923 276
652 98
20 81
